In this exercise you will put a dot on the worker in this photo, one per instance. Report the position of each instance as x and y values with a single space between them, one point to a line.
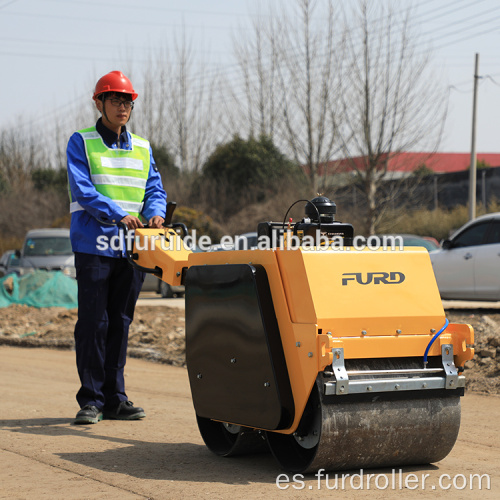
112 179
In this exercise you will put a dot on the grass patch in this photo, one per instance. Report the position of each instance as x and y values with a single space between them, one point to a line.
440 223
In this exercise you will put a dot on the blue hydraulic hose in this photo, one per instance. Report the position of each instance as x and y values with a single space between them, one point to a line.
446 323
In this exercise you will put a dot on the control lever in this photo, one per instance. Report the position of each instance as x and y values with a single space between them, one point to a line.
171 206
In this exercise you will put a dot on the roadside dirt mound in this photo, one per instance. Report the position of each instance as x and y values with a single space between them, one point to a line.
157 334
482 372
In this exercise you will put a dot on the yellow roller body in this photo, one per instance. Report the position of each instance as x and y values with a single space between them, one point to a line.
376 310
162 248
319 307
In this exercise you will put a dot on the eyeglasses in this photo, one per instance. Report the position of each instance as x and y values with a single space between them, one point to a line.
118 102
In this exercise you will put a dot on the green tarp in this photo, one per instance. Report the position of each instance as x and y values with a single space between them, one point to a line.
39 289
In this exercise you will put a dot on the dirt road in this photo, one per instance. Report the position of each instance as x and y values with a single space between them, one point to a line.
42 455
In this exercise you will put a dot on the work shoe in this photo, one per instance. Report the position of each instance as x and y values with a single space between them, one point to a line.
125 411
88 415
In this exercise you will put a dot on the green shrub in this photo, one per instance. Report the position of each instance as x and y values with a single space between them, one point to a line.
196 220
440 223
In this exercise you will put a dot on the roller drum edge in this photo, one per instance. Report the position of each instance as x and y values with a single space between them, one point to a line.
343 434
228 440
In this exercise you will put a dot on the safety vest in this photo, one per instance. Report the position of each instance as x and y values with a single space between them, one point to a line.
119 174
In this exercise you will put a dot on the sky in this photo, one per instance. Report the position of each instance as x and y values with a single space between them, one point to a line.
52 52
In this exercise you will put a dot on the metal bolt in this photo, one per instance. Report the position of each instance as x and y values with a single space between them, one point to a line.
369 388
328 333
199 375
233 360
433 330
310 354
342 388
297 344
424 385
397 387
451 382
177 273
363 332
398 331
267 384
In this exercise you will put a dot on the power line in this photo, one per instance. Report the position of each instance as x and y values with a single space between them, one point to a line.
426 13
477 25
147 8
8 3
233 68
86 45
123 21
492 80
49 56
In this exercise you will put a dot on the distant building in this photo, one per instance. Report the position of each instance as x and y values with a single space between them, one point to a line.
403 164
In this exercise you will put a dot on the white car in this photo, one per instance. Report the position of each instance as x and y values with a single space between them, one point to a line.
468 265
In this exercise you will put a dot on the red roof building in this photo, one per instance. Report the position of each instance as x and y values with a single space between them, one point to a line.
406 162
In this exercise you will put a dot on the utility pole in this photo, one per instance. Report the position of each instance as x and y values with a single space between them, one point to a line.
472 170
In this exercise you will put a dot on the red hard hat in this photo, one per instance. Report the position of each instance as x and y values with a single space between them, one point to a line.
115 81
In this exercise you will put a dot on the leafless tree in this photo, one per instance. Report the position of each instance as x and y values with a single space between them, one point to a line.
257 57
177 108
20 154
391 101
291 85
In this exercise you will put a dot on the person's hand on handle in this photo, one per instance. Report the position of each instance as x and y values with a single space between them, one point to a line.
156 221
132 222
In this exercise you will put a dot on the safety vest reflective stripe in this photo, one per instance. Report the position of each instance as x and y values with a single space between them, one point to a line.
90 135
139 142
125 205
131 163
119 174
119 180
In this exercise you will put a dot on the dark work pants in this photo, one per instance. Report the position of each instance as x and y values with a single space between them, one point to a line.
108 289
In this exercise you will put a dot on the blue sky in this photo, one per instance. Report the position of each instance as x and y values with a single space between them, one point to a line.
51 51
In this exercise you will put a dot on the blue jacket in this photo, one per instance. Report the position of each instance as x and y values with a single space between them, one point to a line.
100 213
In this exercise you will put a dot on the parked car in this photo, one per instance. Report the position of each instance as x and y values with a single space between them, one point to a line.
468 265
246 241
412 240
219 248
47 249
153 284
9 263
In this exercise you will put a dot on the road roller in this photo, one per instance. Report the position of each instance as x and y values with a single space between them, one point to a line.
329 355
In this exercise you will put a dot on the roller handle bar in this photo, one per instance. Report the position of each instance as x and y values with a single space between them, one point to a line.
130 256
171 206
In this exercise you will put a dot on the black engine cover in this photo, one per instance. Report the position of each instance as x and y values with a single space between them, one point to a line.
235 361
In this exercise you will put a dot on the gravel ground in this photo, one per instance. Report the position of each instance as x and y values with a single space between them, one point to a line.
157 334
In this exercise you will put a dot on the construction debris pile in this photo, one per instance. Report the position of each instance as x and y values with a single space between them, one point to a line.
157 334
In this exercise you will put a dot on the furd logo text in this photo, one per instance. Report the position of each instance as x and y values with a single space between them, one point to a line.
392 278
